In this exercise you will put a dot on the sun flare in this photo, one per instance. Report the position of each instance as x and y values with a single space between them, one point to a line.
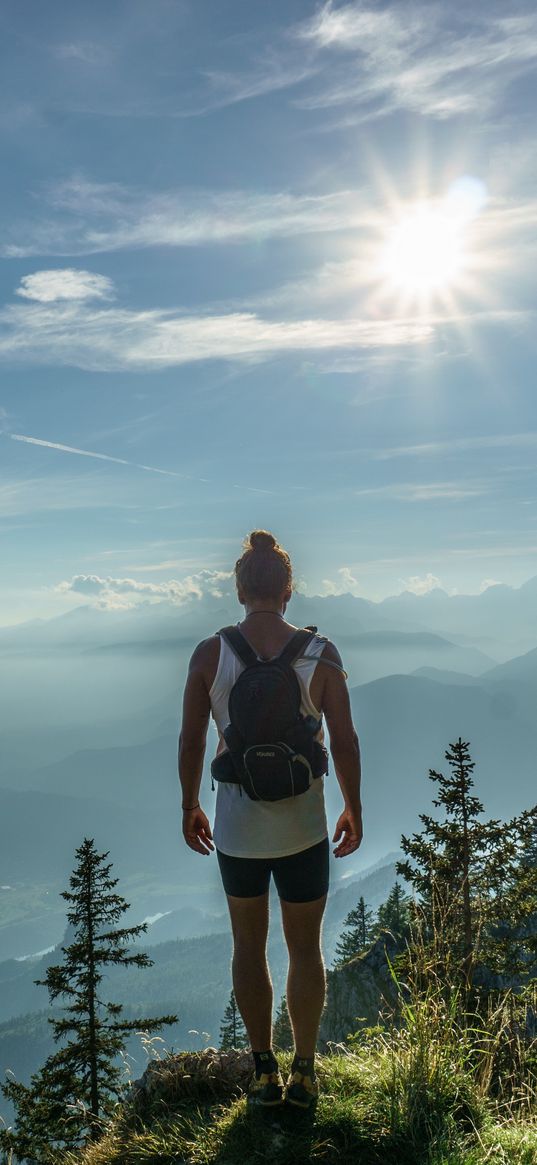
424 251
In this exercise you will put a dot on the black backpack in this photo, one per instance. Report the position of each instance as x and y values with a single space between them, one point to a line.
272 753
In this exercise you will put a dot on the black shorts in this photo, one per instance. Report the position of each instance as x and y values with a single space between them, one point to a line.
300 877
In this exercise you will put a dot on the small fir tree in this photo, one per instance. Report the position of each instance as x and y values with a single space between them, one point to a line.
282 1032
509 941
450 857
473 881
358 933
232 1030
78 1085
394 914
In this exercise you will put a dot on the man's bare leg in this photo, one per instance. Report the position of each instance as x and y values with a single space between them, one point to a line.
251 976
306 980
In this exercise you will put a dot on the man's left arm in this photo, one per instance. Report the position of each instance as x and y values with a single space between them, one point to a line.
192 741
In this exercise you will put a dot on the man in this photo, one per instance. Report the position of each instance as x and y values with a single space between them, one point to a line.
287 838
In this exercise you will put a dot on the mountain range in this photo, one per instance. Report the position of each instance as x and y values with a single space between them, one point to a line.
92 704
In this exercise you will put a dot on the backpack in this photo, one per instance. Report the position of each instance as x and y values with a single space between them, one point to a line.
272 753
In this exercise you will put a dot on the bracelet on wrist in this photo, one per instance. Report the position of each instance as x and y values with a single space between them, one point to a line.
188 808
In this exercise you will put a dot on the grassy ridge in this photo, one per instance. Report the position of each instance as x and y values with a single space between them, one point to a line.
430 1085
364 1114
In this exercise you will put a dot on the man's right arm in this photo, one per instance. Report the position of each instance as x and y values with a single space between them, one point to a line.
345 750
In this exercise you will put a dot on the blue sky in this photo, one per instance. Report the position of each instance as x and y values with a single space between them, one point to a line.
208 324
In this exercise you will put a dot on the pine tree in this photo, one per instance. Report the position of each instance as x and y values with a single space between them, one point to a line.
510 935
359 932
471 880
393 915
232 1030
282 1032
77 1086
450 856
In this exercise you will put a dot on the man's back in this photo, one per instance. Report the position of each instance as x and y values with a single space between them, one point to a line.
267 638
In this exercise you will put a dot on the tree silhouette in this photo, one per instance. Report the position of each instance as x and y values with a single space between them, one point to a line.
77 1086
475 880
282 1032
359 932
509 942
232 1030
394 915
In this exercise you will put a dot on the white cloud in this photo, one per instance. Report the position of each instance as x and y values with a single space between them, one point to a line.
348 584
419 58
420 586
458 444
354 27
489 582
425 491
492 552
65 283
105 339
347 579
89 217
124 593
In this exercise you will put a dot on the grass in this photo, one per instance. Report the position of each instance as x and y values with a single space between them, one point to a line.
368 1112
431 1084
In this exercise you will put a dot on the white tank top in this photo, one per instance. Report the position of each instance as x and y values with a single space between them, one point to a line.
266 829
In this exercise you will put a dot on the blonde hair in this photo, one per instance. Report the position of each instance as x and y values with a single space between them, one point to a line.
264 570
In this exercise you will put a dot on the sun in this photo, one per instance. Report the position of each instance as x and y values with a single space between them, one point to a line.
424 252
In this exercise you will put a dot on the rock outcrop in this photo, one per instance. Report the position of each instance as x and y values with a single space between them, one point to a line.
358 991
206 1075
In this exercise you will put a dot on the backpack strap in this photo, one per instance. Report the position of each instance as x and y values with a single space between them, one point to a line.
295 646
291 652
242 649
328 662
239 645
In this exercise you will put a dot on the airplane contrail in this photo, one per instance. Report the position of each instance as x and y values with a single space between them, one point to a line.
121 460
100 456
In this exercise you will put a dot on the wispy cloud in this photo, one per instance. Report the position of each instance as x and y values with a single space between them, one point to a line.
425 491
81 217
84 52
87 217
457 445
274 71
427 58
498 551
370 61
31 496
105 339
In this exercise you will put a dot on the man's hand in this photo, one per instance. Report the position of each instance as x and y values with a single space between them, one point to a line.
197 831
350 825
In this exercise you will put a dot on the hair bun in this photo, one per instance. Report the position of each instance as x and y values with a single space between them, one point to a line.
262 540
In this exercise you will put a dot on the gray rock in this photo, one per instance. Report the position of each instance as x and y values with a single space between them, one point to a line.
358 991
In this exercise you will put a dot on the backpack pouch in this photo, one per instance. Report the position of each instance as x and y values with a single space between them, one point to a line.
273 771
